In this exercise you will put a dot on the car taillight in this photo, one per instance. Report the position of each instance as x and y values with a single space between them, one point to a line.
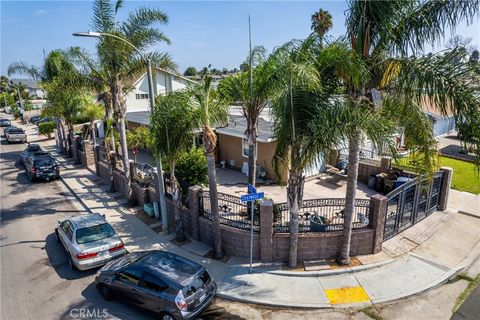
120 246
34 170
86 255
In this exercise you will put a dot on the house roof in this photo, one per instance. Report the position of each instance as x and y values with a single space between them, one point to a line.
141 117
168 72
237 125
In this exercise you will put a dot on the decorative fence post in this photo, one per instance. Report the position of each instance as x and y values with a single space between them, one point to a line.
445 187
385 164
193 204
266 230
379 210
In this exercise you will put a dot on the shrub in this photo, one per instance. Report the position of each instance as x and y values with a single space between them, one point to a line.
46 128
191 168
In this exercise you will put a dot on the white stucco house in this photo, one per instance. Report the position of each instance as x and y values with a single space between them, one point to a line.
164 81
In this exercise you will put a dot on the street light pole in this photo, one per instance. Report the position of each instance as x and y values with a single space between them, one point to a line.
161 185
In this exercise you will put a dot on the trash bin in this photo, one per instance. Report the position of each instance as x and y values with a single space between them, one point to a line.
372 180
400 181
389 185
380 185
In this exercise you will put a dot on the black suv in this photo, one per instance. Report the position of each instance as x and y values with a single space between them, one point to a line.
41 165
160 282
31 149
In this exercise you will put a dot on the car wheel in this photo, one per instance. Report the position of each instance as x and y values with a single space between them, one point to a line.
70 263
106 292
166 316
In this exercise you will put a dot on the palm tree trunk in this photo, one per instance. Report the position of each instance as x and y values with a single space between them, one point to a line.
179 230
352 175
124 148
73 150
212 186
64 138
294 197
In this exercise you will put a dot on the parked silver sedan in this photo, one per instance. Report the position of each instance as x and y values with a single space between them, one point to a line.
89 241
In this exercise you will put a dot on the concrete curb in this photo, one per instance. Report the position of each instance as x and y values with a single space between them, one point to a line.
328 272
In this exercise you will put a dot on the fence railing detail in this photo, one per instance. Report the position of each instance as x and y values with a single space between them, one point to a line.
411 203
232 211
321 215
144 174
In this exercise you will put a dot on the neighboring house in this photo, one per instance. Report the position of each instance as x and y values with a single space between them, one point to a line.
32 87
164 81
442 123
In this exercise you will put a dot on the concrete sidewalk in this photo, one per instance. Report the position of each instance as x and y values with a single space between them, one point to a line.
423 257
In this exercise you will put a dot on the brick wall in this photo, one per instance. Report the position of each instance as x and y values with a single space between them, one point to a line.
365 170
120 182
322 245
140 195
104 172
235 242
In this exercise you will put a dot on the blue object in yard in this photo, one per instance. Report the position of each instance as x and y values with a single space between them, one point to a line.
148 208
252 197
400 181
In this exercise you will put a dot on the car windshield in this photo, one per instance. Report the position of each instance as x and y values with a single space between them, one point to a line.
15 131
4 122
94 233
44 162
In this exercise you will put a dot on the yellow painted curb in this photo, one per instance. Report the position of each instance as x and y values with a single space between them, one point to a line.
346 295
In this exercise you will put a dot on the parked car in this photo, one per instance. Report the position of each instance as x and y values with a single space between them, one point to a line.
43 120
5 123
15 135
89 240
30 150
35 119
6 129
159 282
41 165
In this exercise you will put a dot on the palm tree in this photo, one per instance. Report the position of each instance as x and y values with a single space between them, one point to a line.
117 65
321 22
210 111
236 89
174 124
93 111
59 78
387 36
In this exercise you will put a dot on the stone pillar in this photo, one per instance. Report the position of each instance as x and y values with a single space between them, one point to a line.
378 205
445 188
194 207
266 231
385 164
88 154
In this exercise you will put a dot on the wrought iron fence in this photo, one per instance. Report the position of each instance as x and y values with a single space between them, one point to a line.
232 211
365 156
144 174
411 203
321 215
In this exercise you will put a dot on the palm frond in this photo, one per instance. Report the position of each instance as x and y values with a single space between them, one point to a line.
25 69
103 16
141 20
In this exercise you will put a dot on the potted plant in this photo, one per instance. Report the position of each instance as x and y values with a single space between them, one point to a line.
319 223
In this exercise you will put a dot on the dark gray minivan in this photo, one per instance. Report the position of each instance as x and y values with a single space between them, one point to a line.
160 282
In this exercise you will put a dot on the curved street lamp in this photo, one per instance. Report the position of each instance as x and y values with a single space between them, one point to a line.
161 186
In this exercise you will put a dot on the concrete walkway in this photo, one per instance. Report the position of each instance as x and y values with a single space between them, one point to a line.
421 258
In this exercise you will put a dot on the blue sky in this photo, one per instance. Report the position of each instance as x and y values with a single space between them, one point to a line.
201 32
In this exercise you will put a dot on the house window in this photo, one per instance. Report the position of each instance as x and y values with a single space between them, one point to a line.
245 149
141 96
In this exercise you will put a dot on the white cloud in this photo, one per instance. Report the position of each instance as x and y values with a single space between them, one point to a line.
40 12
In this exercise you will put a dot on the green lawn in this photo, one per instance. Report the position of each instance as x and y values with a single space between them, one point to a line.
465 178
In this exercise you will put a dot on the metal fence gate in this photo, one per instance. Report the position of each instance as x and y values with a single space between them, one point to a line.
411 203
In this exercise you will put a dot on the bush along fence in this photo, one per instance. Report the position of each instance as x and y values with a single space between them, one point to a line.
375 220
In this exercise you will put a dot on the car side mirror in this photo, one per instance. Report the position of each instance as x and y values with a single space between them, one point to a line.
103 215
59 222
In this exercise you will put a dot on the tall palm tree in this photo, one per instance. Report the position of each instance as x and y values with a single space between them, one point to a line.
387 36
56 75
210 110
321 22
174 124
236 89
117 65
